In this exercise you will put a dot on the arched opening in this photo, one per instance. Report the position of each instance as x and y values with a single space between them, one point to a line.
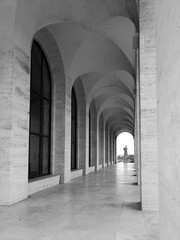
73 130
40 114
125 147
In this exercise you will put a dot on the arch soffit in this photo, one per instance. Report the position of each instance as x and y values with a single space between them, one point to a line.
52 16
115 103
111 83
115 113
119 131
94 80
119 120
125 66
49 46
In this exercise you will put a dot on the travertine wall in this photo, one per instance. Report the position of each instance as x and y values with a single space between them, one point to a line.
93 134
148 105
138 117
168 79
81 132
14 107
86 44
14 165
60 113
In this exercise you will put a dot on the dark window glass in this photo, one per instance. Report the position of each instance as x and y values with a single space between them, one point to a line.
34 156
73 131
40 114
90 139
46 81
35 110
45 167
36 57
46 123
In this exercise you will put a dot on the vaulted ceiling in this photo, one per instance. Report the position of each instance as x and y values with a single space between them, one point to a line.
95 38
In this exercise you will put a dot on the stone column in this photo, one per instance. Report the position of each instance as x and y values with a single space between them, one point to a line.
14 108
86 164
106 145
98 148
14 122
94 137
115 150
112 148
101 141
67 139
148 101
82 115
135 143
138 112
109 147
113 145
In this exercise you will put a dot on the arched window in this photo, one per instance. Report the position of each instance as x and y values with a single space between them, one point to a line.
73 131
90 164
40 114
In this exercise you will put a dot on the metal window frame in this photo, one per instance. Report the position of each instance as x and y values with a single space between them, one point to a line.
42 98
74 118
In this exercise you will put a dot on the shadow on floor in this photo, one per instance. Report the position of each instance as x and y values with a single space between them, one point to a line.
130 183
133 205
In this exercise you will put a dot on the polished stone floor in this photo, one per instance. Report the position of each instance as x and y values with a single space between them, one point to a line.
100 206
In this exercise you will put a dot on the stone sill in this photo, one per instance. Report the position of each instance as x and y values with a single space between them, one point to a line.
91 169
100 166
42 183
76 173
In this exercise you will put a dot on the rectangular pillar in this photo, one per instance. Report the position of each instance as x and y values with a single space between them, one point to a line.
148 104
106 145
101 141
87 143
138 122
14 123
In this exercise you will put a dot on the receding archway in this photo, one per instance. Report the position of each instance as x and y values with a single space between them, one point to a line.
125 147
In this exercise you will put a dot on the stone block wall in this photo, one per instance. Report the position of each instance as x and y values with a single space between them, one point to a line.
148 105
168 75
93 134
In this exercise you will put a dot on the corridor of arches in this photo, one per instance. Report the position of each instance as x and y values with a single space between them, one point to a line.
74 76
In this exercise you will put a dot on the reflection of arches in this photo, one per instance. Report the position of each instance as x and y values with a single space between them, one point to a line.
40 114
